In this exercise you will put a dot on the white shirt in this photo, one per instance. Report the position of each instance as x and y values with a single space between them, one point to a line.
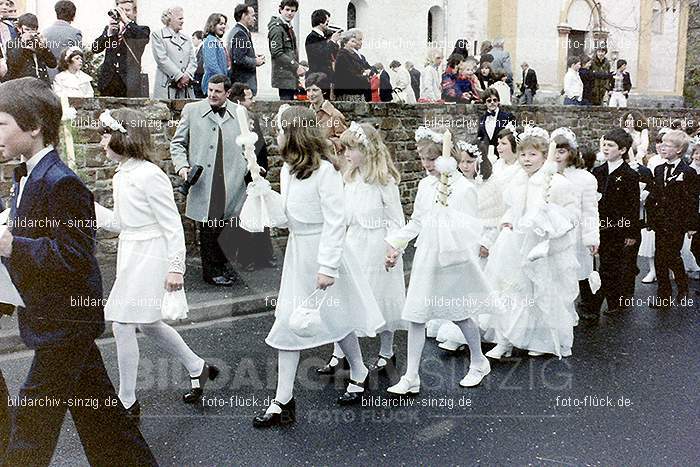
613 166
573 86
490 123
31 163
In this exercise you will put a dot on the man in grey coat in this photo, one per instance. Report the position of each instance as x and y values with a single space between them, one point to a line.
61 34
283 48
501 58
175 58
244 60
206 137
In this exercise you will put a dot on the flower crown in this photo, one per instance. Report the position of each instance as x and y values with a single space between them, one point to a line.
109 122
530 131
283 108
567 134
472 149
423 133
357 130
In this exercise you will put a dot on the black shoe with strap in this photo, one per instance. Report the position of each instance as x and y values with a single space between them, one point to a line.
382 362
209 372
353 398
285 417
330 369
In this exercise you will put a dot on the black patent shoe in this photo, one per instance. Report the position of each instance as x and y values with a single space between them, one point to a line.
287 416
382 363
221 281
353 398
329 369
209 372
134 412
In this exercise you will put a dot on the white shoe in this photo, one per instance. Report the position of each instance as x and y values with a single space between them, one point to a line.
475 376
452 346
500 351
649 278
405 386
532 353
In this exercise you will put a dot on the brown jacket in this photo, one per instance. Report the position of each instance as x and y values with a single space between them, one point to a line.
332 124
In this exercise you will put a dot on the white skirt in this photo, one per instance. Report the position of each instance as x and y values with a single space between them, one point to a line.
389 288
648 243
689 261
349 305
137 294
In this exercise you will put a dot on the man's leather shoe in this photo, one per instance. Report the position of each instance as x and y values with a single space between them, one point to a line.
134 412
287 416
221 281
209 372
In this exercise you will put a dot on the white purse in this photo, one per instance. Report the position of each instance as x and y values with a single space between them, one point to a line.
174 305
305 320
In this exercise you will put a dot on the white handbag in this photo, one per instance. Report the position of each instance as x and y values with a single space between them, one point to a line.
174 305
305 320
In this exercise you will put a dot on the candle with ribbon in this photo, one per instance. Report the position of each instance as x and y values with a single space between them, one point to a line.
247 140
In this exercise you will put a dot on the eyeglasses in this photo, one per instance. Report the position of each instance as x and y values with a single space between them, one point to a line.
492 99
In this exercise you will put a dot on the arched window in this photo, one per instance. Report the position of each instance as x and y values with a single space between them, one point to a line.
352 16
436 25
430 27
657 18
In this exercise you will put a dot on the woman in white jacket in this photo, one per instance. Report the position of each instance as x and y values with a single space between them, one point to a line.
71 81
430 77
150 257
573 86
587 228
401 83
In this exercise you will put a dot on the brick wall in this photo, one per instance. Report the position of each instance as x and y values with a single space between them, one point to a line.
396 122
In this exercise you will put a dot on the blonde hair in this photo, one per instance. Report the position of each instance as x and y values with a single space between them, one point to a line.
537 143
679 139
167 15
304 144
379 167
432 53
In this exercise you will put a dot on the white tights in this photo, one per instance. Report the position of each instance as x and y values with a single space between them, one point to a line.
416 342
386 339
128 354
288 361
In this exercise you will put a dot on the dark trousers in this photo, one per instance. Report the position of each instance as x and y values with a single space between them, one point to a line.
115 88
587 302
214 260
255 248
73 378
287 94
612 270
695 246
631 270
5 417
668 258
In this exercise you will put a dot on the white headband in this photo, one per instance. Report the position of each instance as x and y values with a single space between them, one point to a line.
567 134
359 132
108 121
532 131
423 133
472 149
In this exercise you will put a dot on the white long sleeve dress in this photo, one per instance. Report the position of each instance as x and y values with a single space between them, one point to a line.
151 241
446 279
430 84
315 211
533 267
587 227
374 211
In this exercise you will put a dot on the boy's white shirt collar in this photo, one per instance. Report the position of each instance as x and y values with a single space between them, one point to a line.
613 166
36 158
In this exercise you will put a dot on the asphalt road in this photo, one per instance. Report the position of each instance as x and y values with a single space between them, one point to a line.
627 396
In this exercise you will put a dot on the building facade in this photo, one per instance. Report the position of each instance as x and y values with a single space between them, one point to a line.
650 34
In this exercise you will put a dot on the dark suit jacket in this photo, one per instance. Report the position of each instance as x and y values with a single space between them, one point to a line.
60 35
385 89
321 54
619 204
415 81
674 207
53 261
243 65
119 63
349 67
529 81
20 62
502 119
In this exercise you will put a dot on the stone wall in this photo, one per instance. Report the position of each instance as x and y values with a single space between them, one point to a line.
692 65
396 122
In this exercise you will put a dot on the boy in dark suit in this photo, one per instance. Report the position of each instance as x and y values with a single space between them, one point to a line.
619 219
673 211
494 120
49 251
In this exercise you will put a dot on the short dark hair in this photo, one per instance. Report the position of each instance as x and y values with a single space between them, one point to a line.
65 10
29 20
241 10
238 91
454 60
198 34
65 58
621 62
289 3
588 154
216 79
621 138
319 17
212 22
572 61
640 123
490 92
507 133
395 64
317 79
33 105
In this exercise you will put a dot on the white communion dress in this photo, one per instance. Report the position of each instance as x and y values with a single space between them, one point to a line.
533 267
374 211
446 279
151 241
587 227
316 221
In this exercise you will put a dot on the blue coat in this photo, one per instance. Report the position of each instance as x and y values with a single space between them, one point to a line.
215 62
53 261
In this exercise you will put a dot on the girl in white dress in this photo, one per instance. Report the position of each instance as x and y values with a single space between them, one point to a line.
316 259
446 278
587 227
72 81
150 257
533 264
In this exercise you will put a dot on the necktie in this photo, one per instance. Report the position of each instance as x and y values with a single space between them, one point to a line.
219 110
669 171
491 114
20 172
